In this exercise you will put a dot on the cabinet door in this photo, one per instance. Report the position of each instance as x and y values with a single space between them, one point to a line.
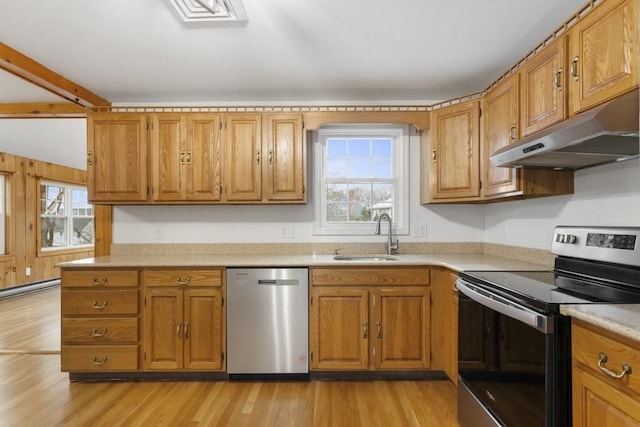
203 326
285 172
202 157
597 403
163 329
339 329
500 129
117 157
243 159
168 156
454 170
603 54
402 328
543 88
444 322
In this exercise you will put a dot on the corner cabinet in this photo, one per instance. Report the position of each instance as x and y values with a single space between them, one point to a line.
454 152
604 394
501 106
603 54
370 319
117 157
184 158
183 320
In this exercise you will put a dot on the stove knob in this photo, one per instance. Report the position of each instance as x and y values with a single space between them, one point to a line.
560 238
570 238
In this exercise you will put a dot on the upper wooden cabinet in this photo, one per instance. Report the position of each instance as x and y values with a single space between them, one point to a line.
117 158
454 151
500 107
185 157
603 54
243 158
253 158
284 170
543 88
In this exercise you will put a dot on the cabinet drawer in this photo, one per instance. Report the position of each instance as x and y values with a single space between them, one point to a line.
99 358
99 278
99 330
587 345
410 276
99 302
181 277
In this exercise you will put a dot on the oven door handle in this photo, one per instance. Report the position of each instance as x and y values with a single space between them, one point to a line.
509 308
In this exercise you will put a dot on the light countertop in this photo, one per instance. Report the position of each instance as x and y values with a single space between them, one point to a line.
457 262
622 319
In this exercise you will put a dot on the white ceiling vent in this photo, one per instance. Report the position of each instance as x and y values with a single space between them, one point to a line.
208 11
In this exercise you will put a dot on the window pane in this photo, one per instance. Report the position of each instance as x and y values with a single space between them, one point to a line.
336 148
336 168
79 203
359 169
381 169
52 200
336 212
337 193
53 232
359 148
82 231
381 148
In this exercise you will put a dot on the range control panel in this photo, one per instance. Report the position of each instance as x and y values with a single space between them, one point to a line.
619 245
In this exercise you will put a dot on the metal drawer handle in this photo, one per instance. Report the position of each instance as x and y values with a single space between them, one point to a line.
626 368
95 333
558 80
179 330
99 362
99 306
574 68
186 330
183 282
378 329
365 329
100 282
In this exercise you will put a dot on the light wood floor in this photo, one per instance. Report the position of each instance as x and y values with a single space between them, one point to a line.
33 391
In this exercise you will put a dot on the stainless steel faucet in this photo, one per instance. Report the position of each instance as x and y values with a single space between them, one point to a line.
390 245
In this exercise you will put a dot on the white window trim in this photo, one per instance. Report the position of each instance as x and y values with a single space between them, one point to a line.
400 133
69 217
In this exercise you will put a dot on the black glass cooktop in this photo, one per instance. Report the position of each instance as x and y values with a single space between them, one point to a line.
546 290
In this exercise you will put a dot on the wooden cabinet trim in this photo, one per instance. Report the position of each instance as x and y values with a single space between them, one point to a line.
374 276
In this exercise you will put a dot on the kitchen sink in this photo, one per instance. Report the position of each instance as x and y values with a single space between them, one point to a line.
365 258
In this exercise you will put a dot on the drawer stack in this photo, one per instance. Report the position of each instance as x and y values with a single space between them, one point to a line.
100 320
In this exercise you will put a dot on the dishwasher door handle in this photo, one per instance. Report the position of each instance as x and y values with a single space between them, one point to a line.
278 282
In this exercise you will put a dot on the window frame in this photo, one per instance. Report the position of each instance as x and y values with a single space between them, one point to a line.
400 135
70 247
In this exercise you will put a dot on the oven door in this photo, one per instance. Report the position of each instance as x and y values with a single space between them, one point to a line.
507 363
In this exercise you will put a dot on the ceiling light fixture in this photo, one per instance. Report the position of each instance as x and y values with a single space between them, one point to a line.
207 11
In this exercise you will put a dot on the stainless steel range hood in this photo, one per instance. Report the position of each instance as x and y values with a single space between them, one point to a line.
606 133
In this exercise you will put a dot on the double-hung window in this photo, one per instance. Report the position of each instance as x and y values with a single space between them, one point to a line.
66 217
3 215
363 172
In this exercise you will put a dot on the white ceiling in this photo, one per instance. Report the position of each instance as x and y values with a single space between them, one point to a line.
290 51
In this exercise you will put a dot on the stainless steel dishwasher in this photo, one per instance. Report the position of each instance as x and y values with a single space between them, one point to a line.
267 323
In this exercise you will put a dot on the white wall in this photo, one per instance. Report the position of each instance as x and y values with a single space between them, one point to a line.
263 224
60 141
603 195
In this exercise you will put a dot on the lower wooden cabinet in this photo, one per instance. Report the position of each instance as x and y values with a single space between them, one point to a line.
379 320
183 320
444 323
600 399
100 320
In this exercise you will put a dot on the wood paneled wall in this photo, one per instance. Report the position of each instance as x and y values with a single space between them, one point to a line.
22 178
